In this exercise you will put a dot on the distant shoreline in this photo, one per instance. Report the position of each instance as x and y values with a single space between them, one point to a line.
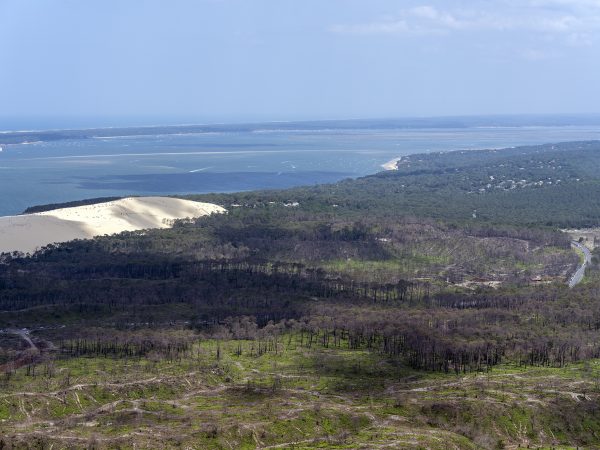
406 123
392 164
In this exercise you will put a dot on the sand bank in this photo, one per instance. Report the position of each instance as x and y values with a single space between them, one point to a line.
391 165
29 232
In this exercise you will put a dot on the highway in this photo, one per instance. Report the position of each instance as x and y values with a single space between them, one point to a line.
578 275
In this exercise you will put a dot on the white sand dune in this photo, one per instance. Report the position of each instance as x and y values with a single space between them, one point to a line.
392 164
30 232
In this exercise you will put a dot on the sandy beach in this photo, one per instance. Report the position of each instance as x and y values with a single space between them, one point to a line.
28 233
392 164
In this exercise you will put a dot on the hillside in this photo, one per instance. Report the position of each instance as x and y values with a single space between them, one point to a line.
28 233
426 306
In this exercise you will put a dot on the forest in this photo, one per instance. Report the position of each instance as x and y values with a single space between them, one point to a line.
391 310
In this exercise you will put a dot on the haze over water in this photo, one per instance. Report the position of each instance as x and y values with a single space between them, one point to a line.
66 170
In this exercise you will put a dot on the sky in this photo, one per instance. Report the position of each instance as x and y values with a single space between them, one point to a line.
111 62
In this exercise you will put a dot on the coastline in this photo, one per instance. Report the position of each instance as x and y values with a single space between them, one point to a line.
392 164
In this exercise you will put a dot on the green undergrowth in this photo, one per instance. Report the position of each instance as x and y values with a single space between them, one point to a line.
225 394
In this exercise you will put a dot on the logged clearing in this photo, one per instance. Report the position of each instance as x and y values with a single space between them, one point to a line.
235 395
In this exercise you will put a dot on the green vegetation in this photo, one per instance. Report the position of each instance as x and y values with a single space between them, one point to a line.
550 185
425 307
227 394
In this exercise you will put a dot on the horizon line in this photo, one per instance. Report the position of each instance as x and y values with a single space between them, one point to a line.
300 121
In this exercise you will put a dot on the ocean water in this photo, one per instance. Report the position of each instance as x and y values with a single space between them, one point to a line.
63 170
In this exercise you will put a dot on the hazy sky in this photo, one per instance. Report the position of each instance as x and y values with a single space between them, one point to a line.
232 60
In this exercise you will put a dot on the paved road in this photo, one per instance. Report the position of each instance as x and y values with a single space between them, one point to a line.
578 276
